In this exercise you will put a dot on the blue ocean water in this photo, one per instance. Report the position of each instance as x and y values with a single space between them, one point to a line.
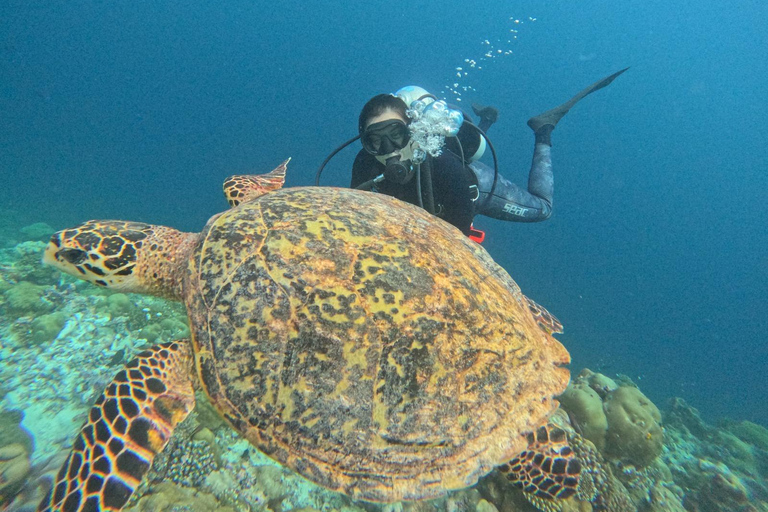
656 257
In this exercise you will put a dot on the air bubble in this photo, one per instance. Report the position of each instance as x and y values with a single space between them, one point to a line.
495 47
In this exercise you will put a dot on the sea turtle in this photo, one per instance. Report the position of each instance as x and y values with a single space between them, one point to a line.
354 338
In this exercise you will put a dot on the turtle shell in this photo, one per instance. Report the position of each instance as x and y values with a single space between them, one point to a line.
366 344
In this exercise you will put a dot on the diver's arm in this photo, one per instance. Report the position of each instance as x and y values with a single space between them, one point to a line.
364 169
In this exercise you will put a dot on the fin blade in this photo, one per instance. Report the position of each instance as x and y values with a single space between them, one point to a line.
546 320
130 423
242 188
554 115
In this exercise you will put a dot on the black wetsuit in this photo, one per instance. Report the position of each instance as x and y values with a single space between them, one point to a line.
454 196
450 183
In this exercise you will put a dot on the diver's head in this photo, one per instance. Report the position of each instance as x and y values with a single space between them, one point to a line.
383 126
384 133
382 105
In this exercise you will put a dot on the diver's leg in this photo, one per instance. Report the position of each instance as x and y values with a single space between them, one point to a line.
541 179
513 203
510 202
488 116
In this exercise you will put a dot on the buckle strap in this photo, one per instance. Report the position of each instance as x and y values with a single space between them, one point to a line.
474 193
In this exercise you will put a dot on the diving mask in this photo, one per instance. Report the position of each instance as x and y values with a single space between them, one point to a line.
385 137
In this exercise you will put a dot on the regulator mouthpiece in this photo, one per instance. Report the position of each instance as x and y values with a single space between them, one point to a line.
396 171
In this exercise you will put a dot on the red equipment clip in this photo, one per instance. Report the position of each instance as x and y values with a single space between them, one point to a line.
476 235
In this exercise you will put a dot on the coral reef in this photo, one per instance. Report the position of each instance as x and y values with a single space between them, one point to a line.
41 329
171 497
719 471
27 299
585 406
22 263
749 432
619 420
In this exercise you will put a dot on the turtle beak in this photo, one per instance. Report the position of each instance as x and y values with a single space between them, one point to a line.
49 256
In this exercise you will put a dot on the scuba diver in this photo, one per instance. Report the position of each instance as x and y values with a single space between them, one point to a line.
421 150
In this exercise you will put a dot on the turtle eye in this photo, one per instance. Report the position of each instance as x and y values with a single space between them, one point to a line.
73 256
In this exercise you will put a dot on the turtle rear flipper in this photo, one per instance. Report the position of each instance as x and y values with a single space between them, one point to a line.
544 318
242 188
130 423
548 469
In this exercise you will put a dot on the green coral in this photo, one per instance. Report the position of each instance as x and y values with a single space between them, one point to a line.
153 319
14 468
27 299
25 264
586 409
11 431
165 330
45 328
742 456
634 432
620 421
750 433
37 231
119 304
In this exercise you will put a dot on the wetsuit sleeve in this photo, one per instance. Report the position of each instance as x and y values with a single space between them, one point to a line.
513 203
451 181
364 169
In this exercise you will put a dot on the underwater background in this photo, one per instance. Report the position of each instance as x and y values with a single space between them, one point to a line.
655 258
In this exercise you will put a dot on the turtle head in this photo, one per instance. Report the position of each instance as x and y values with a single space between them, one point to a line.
126 256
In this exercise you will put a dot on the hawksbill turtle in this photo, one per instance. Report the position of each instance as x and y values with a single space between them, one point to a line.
352 337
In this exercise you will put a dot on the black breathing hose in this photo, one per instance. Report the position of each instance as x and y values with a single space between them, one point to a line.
335 151
418 185
426 167
368 185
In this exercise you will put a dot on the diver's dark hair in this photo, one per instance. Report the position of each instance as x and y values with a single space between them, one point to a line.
377 106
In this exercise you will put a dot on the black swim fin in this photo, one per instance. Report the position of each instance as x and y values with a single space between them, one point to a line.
488 115
554 115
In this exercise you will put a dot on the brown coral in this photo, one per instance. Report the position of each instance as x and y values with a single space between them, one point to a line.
14 468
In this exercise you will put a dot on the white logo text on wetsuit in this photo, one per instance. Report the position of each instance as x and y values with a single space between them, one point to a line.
515 209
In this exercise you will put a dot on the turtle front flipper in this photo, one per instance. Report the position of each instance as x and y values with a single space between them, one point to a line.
548 470
130 423
126 256
242 188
